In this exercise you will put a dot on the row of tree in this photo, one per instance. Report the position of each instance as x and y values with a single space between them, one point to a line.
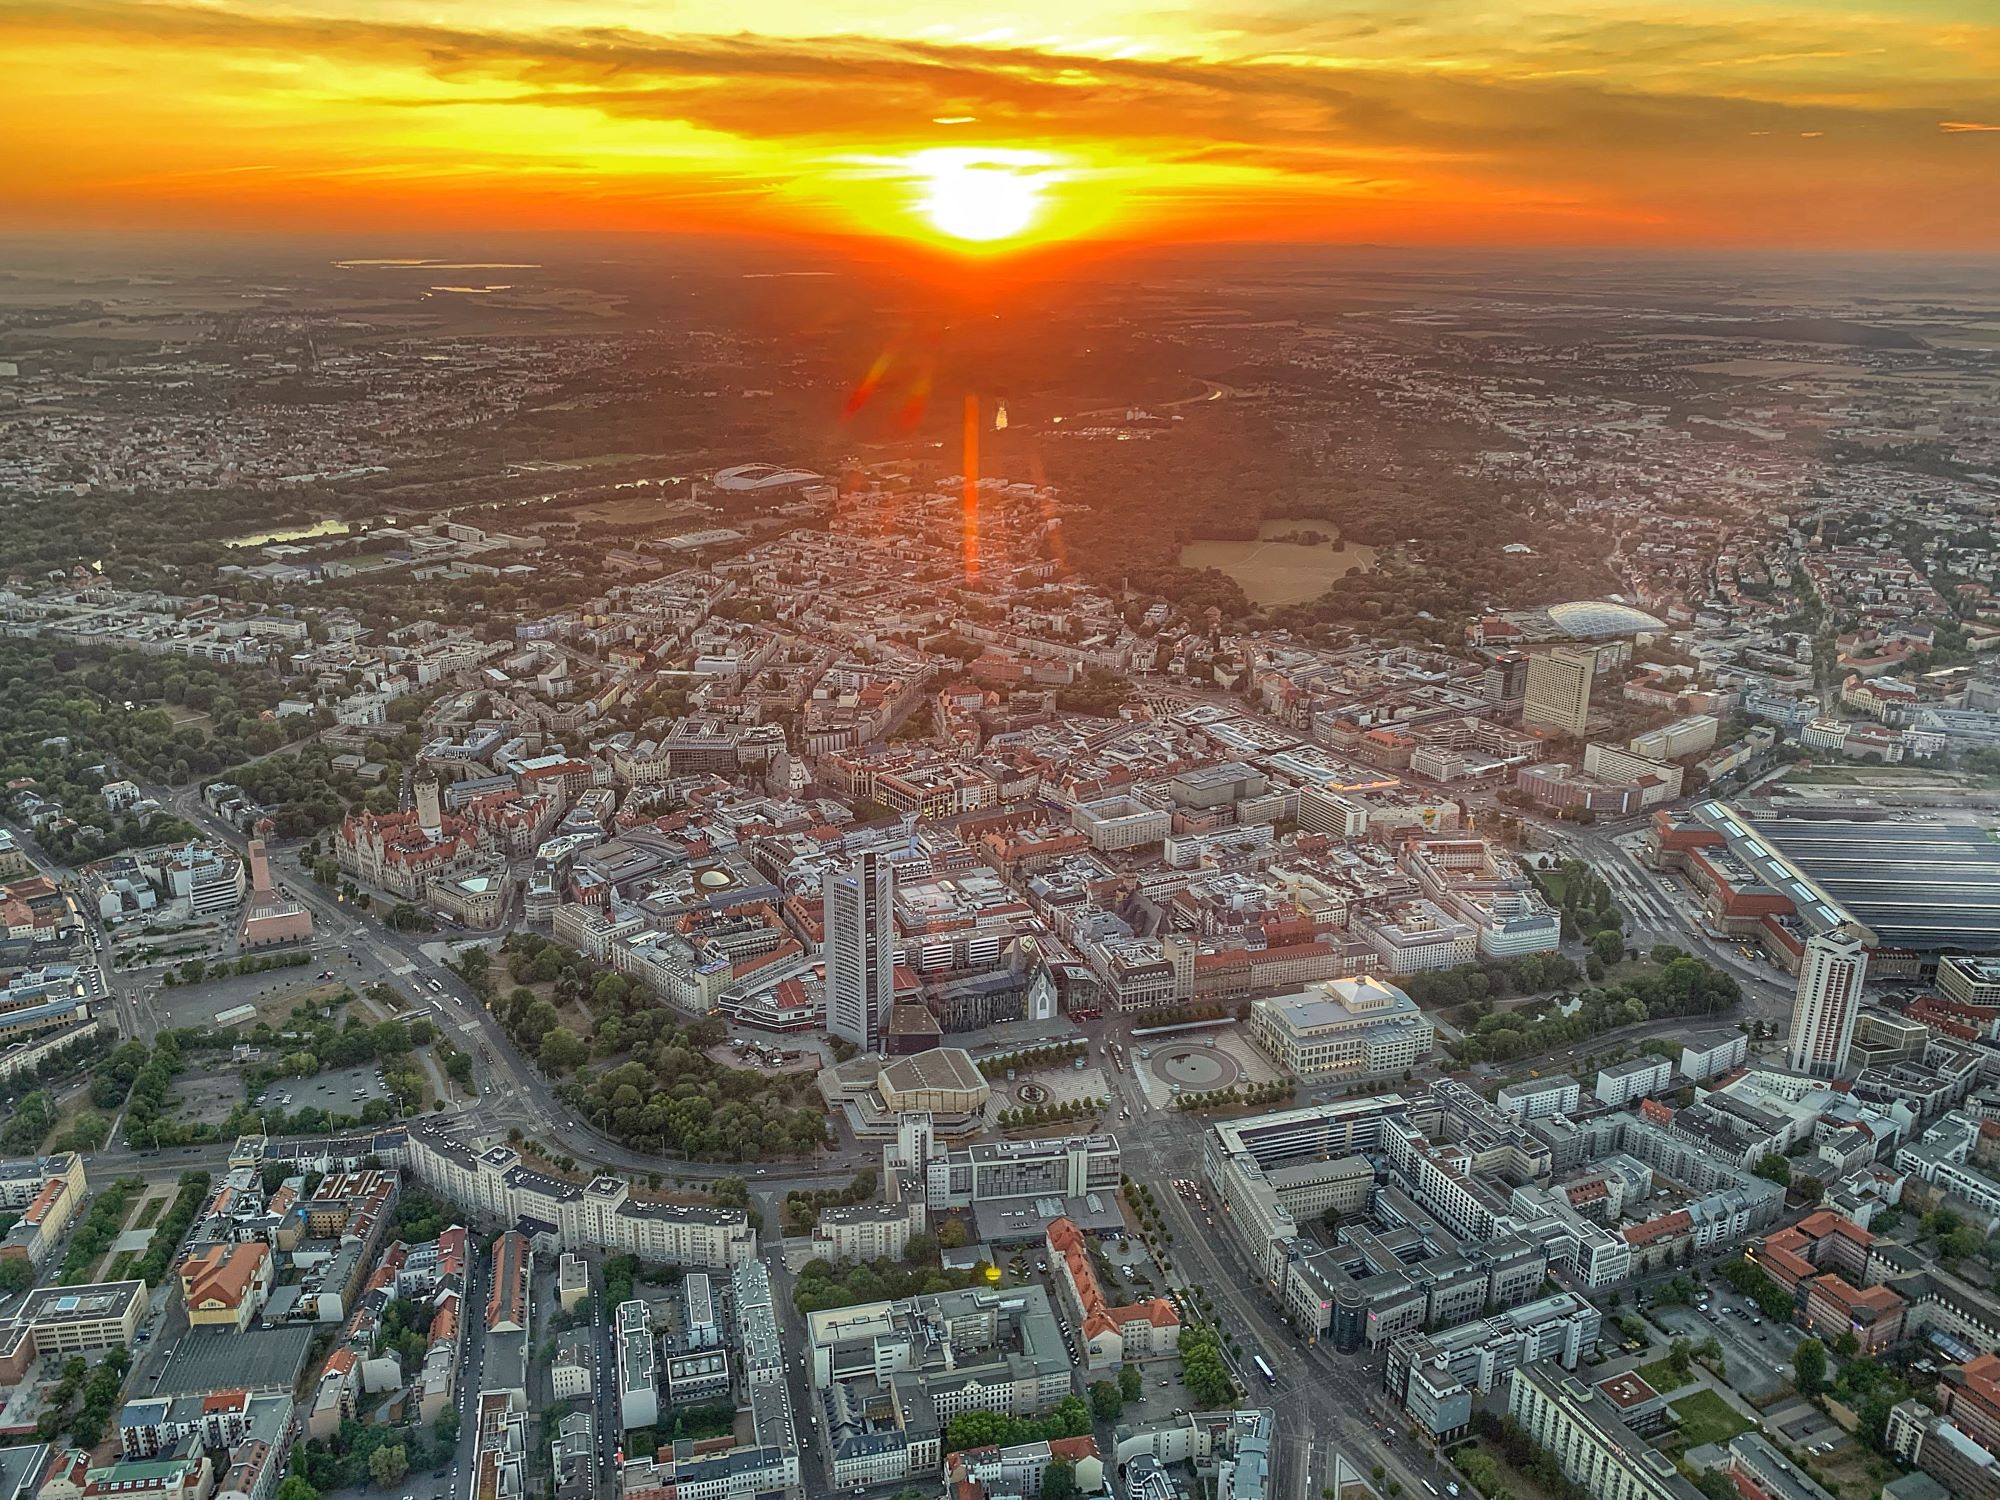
822 1284
1029 1116
980 1429
196 970
1270 1091
1035 1057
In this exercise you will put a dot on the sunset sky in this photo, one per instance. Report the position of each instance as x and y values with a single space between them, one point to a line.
1763 123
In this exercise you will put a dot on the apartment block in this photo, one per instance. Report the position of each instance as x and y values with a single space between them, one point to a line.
1540 1098
1637 1078
866 1231
1581 1426
602 1214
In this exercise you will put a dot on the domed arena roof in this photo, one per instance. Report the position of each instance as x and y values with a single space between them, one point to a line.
762 477
1594 619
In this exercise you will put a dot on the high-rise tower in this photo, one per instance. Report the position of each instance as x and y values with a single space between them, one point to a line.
1558 689
1829 998
857 908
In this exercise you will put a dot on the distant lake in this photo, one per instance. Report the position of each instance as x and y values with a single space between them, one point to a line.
1281 572
288 534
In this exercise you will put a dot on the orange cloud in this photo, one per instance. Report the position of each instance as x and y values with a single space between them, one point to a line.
1648 126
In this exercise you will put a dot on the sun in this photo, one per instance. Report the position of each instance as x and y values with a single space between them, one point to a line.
981 196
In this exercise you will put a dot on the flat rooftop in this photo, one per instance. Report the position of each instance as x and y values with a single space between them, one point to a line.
258 1359
1341 1003
79 1304
1923 885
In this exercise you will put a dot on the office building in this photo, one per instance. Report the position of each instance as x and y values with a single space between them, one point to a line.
1831 974
1688 736
223 1286
857 908
65 1320
1969 1395
1312 1132
890 1376
1112 1334
1971 981
1435 1375
1558 694
1074 1166
1924 1440
638 1376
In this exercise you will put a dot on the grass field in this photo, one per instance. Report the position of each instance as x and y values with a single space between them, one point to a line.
1660 1376
1275 572
1889 778
1707 1418
630 510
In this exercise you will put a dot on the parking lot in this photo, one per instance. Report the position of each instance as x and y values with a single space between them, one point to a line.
337 1091
1756 1353
1802 1426
274 993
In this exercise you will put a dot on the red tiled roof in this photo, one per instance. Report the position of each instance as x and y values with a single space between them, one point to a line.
1677 1222
1067 1240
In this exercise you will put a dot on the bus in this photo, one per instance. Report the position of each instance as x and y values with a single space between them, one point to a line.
1263 1369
